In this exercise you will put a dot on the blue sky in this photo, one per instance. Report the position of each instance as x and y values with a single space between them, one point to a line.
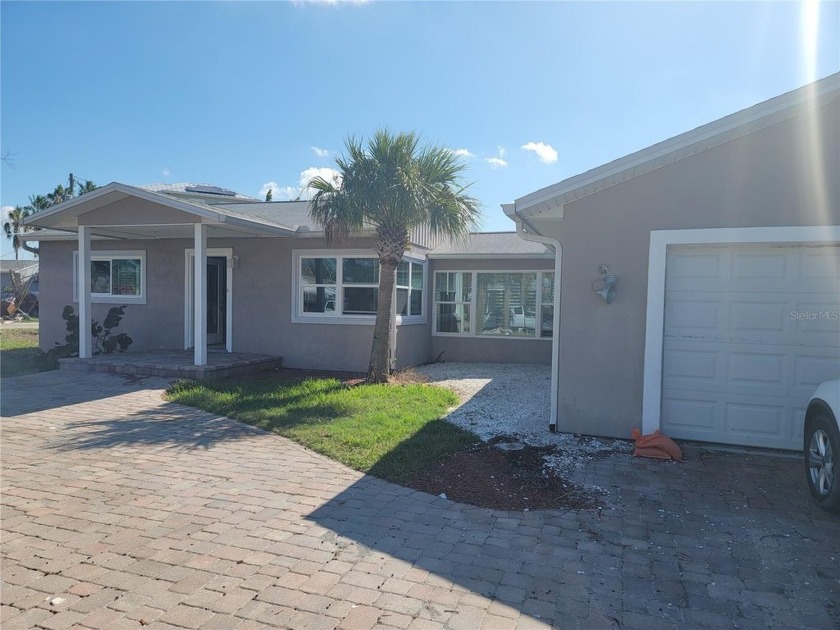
246 95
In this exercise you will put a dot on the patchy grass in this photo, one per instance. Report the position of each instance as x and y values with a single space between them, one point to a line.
18 351
391 431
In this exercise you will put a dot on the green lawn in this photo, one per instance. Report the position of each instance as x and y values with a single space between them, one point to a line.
391 431
18 351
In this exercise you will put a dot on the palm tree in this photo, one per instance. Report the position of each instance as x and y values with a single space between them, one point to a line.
87 187
14 226
58 195
392 186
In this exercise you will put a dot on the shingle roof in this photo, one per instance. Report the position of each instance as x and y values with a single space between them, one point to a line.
491 244
290 214
181 189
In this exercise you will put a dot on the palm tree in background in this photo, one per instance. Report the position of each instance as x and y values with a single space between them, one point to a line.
14 226
87 187
392 185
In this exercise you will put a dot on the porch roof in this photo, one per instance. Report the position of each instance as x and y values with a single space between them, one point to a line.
223 219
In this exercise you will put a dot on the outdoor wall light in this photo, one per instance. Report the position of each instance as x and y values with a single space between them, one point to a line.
605 285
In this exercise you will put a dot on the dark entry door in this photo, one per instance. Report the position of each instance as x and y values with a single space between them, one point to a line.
216 300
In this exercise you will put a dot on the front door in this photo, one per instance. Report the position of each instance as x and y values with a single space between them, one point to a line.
216 300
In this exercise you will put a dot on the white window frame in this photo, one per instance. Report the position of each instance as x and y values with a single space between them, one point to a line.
409 319
474 303
470 303
111 255
300 317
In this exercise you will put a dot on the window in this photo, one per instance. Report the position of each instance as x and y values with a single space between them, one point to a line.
114 276
409 289
547 306
507 304
348 286
453 295
501 304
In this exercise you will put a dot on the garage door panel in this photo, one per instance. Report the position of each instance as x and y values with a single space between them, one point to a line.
693 265
744 350
695 416
756 368
758 316
691 364
751 419
693 317
819 264
748 266
811 370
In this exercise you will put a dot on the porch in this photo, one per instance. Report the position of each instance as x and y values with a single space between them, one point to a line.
175 364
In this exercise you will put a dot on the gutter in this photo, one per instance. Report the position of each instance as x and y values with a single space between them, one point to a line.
533 236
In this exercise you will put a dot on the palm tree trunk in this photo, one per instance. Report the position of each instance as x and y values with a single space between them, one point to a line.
380 353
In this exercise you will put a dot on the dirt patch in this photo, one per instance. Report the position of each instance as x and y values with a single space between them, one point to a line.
515 480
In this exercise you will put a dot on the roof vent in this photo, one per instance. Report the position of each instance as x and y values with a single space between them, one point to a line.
211 190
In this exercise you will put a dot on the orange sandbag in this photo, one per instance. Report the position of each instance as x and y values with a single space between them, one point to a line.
656 445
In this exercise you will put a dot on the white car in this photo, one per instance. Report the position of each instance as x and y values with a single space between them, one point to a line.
822 445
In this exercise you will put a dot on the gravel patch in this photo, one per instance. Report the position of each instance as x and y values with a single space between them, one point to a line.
505 399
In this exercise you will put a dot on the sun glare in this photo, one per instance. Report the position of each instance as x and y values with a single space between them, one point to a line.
810 31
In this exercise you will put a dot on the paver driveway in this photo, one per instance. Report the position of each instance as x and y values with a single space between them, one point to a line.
138 513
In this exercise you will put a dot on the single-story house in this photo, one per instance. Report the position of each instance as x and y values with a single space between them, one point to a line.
698 280
695 286
271 285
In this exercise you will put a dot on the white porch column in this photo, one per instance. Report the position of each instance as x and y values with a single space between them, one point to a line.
200 295
83 283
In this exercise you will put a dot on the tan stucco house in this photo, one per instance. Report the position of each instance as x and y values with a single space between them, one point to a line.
267 283
695 286
724 247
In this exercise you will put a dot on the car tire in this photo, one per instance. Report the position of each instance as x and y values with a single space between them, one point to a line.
822 461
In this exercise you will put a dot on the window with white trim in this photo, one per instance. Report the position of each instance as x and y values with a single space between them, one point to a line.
346 286
453 302
409 289
114 276
506 304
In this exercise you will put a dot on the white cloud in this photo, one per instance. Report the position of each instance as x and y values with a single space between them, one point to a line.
287 193
5 210
498 161
166 172
464 153
545 152
321 153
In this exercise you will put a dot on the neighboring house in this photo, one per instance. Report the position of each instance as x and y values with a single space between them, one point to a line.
26 271
725 241
19 283
272 286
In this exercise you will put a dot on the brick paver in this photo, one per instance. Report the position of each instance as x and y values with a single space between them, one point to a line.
139 513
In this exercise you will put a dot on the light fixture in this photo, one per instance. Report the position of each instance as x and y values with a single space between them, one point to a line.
605 285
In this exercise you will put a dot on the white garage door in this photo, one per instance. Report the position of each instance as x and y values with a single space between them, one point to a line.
750 331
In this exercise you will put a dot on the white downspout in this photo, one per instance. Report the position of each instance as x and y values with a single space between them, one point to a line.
510 210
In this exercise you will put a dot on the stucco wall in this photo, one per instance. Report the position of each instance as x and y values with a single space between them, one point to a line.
771 177
489 349
262 304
